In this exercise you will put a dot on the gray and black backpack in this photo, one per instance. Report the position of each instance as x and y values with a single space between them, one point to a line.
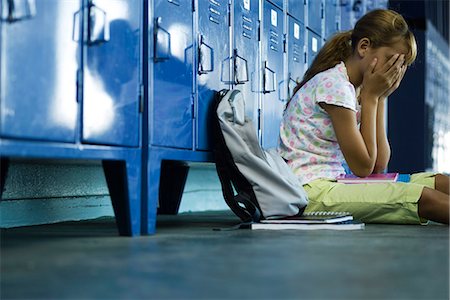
256 184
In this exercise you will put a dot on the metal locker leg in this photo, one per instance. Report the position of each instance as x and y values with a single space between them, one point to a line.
124 184
152 197
172 181
4 166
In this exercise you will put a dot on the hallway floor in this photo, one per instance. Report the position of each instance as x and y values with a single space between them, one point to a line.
186 259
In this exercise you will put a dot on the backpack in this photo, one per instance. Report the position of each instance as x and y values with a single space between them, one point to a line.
256 184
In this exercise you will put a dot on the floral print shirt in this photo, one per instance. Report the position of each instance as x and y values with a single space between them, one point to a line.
307 139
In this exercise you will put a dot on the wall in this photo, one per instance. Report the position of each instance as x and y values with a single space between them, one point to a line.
42 192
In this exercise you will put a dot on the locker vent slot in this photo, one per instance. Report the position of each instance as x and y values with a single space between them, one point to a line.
247 27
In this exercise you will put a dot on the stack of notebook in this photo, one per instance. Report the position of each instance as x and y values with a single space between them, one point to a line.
312 221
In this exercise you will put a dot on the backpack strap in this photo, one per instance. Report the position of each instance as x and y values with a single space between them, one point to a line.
244 213
250 207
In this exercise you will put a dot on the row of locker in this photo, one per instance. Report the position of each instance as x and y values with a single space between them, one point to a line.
260 47
132 82
91 70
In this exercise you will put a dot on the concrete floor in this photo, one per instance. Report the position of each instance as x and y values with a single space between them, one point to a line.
186 259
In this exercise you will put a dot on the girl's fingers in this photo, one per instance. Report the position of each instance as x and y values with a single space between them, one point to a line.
387 66
372 65
398 80
397 66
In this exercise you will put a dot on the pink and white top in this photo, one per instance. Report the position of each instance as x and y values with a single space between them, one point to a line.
307 138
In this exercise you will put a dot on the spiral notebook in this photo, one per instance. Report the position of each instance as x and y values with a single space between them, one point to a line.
311 221
348 225
317 217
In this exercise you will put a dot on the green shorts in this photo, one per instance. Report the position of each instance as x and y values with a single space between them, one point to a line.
394 203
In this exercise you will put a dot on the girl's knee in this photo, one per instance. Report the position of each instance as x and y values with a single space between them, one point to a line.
442 183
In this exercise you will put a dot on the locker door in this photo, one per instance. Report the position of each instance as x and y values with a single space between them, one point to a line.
351 11
39 69
332 16
172 55
213 52
296 53
376 4
112 73
278 3
273 100
314 42
315 16
245 62
346 15
296 8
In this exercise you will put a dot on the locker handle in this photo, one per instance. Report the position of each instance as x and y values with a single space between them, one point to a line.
292 83
161 42
238 61
98 25
205 52
76 26
268 85
18 10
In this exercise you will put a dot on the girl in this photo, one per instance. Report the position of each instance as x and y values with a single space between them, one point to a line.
337 113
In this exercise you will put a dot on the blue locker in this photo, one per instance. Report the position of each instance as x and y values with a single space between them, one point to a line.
278 3
39 64
245 63
313 46
351 11
376 4
213 71
332 16
315 16
296 53
272 54
296 8
111 90
172 107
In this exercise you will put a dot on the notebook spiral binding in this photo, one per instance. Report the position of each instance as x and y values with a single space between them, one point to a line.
326 213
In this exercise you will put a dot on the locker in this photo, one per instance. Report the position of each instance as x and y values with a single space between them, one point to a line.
278 3
351 11
39 63
296 53
376 4
296 9
244 56
314 41
273 96
111 89
315 16
172 108
332 17
213 70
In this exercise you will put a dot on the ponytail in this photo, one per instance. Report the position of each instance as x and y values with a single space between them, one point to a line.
337 49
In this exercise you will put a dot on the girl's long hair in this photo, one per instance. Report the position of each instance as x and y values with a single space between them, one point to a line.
381 26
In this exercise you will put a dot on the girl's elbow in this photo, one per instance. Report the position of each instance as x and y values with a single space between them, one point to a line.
379 168
363 170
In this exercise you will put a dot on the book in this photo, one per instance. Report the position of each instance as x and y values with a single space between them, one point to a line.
373 178
318 217
348 225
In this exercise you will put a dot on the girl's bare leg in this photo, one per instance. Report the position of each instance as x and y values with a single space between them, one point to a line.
434 205
442 183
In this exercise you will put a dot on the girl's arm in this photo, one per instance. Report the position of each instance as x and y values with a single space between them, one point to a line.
358 146
383 148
